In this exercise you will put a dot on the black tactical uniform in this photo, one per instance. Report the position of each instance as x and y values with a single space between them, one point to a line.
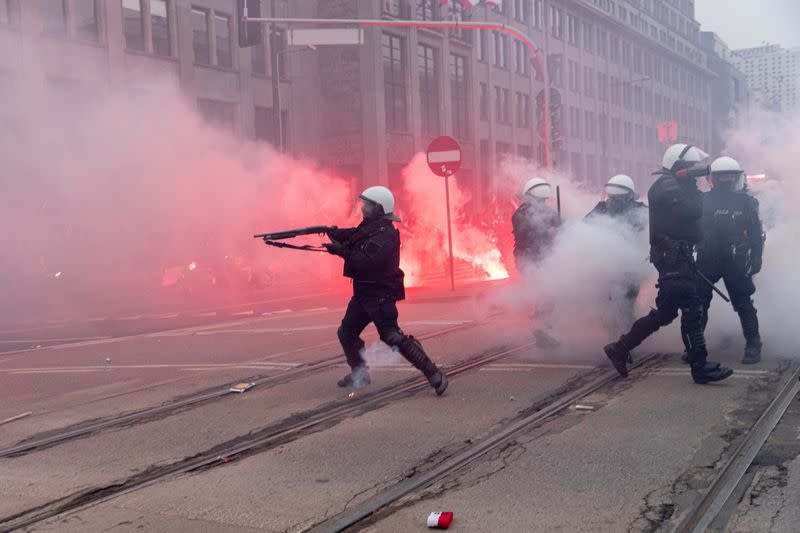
634 214
630 211
676 211
731 250
532 224
371 255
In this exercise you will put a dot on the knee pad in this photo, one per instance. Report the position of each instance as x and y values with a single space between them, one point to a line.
663 318
743 305
345 338
393 337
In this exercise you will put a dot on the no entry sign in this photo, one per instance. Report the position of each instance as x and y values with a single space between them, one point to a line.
444 156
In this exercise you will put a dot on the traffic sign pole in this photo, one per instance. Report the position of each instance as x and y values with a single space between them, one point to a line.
444 158
449 233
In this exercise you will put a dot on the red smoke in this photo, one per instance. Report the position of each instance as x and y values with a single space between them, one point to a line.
425 256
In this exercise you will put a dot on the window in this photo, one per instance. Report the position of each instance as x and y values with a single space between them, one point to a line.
500 58
222 25
614 90
602 86
486 165
588 81
575 122
502 149
577 166
134 24
54 16
8 13
159 21
556 24
616 133
574 76
483 45
264 125
537 14
258 59
520 57
520 10
217 113
573 30
392 7
200 37
637 99
525 151
394 79
458 93
85 16
484 103
523 110
602 43
588 37
426 9
429 90
589 123
627 134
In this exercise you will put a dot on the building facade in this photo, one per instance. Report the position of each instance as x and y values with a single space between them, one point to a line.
773 74
729 87
616 70
87 46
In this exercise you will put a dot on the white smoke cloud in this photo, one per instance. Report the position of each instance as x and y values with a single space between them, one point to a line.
769 142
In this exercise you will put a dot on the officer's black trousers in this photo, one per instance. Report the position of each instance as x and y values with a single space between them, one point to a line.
677 292
383 313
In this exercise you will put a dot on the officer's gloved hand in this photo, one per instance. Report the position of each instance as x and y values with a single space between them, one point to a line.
335 248
331 231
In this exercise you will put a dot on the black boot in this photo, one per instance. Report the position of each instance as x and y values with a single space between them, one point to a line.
752 351
707 372
413 352
359 374
748 316
359 377
620 356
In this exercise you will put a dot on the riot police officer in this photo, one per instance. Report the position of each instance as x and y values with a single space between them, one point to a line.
534 224
676 212
731 249
621 204
371 255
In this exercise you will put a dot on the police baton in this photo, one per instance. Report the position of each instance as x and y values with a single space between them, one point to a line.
705 279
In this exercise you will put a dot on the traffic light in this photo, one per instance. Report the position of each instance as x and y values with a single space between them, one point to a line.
250 34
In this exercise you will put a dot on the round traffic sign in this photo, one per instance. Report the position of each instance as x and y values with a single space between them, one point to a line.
444 156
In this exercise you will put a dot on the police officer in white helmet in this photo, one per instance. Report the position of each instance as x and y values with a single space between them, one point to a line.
676 212
371 255
731 249
534 224
621 203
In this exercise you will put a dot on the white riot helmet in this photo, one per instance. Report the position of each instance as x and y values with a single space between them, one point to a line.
383 197
680 156
620 185
727 173
536 188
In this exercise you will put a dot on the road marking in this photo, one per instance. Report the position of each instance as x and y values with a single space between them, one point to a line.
199 315
134 317
161 317
178 366
244 313
316 309
40 341
529 366
685 369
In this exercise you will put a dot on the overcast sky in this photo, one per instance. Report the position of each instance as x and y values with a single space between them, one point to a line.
747 23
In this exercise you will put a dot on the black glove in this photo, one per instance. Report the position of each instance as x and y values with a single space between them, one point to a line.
335 248
331 231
